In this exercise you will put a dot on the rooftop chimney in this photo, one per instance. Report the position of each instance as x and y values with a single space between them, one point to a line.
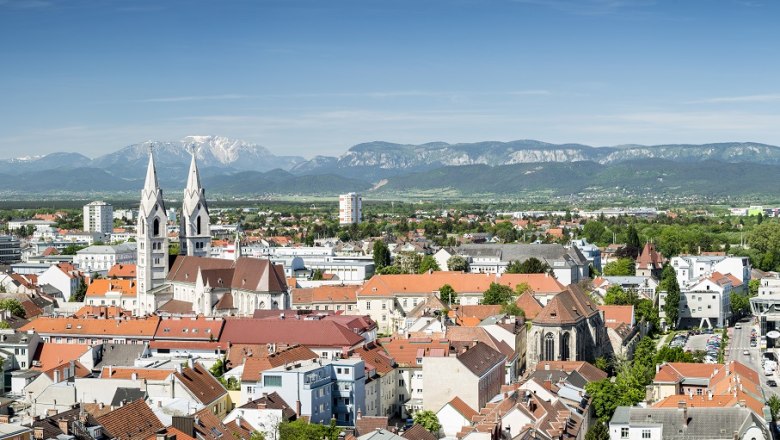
63 425
681 405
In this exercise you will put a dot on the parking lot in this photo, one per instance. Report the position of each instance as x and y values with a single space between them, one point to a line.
708 343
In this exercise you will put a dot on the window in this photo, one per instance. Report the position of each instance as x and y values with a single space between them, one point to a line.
713 296
645 433
384 306
272 381
368 305
156 227
338 370
698 391
623 432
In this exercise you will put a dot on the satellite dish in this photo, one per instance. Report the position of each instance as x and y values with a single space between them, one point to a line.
774 334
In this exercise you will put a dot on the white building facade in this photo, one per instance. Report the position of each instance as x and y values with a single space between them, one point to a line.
99 217
350 208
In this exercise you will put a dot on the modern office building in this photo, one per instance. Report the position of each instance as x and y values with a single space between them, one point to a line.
10 250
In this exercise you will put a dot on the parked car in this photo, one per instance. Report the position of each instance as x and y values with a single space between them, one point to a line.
771 383
738 326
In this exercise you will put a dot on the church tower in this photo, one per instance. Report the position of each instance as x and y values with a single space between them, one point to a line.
195 229
152 241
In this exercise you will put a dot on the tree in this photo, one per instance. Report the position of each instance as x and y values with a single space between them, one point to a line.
428 420
648 312
80 293
13 306
72 249
522 288
317 275
615 296
257 435
674 354
428 263
174 248
597 431
602 363
512 309
447 295
740 304
531 265
381 255
619 267
774 406
456 263
300 429
408 262
753 286
218 369
497 294
4 325
605 398
669 285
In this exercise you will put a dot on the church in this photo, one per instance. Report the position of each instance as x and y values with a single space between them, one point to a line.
195 283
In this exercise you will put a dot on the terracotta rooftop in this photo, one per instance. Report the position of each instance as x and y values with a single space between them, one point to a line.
199 328
134 421
529 305
616 315
567 307
463 408
417 432
51 355
102 286
325 295
317 333
93 327
102 312
141 373
251 274
199 381
586 369
271 401
406 351
122 271
649 258
463 283
254 366
676 371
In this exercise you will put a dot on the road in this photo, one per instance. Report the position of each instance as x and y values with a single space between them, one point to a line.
739 341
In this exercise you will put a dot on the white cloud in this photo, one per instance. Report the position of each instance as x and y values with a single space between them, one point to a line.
767 97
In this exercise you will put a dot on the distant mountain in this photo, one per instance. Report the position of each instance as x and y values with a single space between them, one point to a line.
211 151
382 159
47 162
647 176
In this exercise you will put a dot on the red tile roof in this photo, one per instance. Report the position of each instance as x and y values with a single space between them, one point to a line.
586 369
529 305
134 421
122 271
251 274
616 315
317 333
102 286
463 408
199 381
406 351
51 355
567 307
141 373
325 295
416 284
140 328
200 328
253 366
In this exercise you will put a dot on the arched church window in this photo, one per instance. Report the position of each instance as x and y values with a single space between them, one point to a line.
549 347
565 349
156 227
197 225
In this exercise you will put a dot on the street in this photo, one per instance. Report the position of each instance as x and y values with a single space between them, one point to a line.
739 341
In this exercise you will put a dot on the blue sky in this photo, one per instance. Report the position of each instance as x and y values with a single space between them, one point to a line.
316 77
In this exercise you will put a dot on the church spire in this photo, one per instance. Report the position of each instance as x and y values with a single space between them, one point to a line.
193 178
237 251
151 184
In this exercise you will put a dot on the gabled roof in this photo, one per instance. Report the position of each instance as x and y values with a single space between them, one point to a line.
209 427
463 408
134 421
462 283
407 351
201 384
368 424
417 432
51 355
271 401
375 357
480 359
616 315
529 305
649 258
586 369
245 273
568 307
156 374
674 372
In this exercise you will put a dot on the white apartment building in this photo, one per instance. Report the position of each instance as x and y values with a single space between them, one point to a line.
350 208
102 258
99 217
691 268
706 303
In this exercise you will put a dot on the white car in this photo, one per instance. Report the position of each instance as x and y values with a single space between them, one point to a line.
746 352
738 326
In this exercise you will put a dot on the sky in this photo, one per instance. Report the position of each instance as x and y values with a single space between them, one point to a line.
308 77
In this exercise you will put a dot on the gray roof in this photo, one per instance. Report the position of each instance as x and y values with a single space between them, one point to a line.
522 252
119 355
109 249
701 423
623 280
380 434
127 395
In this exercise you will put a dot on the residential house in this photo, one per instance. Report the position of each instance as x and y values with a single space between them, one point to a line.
569 265
475 375
650 262
100 259
381 381
133 421
64 277
454 416
263 414
327 297
254 366
683 423
409 354
93 331
622 329
109 292
706 303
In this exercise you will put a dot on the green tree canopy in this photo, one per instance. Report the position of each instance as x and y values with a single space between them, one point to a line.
428 420
530 265
381 254
428 263
619 267
597 431
497 294
13 306
669 285
447 294
457 263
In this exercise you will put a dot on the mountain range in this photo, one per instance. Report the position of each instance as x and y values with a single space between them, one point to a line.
235 167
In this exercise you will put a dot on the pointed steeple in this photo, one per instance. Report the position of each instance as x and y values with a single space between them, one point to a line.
237 251
151 184
193 178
